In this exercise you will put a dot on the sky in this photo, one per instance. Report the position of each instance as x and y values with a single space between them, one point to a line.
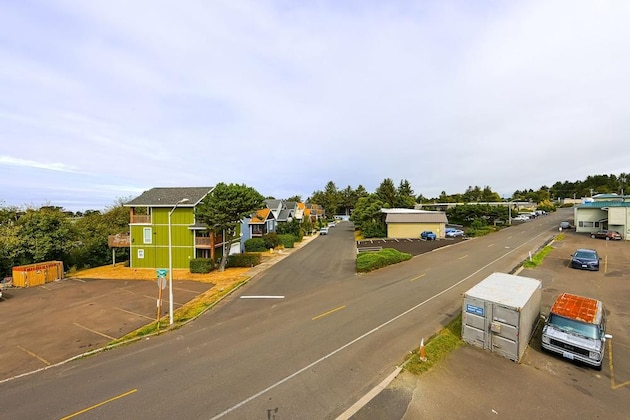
102 100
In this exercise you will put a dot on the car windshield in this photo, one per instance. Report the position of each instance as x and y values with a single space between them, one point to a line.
589 255
574 327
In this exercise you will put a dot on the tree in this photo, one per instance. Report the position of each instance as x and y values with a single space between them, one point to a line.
405 195
45 235
223 209
387 193
368 217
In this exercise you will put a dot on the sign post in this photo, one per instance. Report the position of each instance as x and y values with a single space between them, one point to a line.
161 282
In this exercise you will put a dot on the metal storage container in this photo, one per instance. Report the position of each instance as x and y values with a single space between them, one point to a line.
500 314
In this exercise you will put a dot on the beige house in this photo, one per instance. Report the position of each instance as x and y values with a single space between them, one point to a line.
410 223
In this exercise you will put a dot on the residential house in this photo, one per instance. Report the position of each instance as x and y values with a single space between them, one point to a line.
410 223
162 222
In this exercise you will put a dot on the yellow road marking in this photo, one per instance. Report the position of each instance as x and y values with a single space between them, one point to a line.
328 313
490 245
133 313
613 385
94 331
417 277
85 410
605 264
46 362
461 258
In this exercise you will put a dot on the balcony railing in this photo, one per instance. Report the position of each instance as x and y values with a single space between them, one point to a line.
141 218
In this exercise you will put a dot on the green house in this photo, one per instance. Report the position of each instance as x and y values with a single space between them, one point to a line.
158 210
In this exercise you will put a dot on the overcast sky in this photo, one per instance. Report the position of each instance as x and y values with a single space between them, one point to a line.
101 100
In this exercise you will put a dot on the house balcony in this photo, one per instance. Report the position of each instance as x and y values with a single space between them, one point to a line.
141 219
205 242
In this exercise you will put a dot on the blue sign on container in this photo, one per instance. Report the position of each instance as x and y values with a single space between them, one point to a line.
477 310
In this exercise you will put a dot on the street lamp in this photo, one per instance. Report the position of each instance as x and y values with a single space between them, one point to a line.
170 261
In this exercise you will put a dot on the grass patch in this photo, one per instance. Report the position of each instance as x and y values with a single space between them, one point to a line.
538 258
369 261
437 348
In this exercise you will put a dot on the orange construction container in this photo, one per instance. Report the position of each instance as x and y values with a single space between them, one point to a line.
37 274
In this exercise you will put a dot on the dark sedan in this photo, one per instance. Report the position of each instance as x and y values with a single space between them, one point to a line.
585 259
607 234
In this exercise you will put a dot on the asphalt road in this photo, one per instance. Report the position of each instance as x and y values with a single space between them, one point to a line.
306 339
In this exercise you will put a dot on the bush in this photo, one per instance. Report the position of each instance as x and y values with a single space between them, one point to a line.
247 259
201 265
255 245
271 240
368 261
288 240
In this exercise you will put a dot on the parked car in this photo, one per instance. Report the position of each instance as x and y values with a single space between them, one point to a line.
428 235
454 233
323 231
565 225
521 218
585 259
576 329
332 224
607 234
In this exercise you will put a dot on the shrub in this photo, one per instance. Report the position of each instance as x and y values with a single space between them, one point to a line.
271 240
368 261
201 265
255 245
247 259
287 240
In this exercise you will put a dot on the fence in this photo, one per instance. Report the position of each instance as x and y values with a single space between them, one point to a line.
37 274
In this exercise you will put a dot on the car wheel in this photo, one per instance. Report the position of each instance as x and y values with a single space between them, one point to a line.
599 367
593 236
607 238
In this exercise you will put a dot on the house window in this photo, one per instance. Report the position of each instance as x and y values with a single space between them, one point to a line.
148 237
140 254
586 224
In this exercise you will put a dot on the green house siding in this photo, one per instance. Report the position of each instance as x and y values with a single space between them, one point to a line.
155 254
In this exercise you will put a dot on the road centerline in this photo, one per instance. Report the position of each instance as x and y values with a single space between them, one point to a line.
328 312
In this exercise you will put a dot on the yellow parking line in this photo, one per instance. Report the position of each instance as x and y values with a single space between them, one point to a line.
94 331
328 313
417 277
85 410
612 372
490 245
46 362
461 258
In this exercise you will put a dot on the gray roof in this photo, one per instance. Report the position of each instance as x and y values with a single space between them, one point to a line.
284 215
168 197
428 217
272 203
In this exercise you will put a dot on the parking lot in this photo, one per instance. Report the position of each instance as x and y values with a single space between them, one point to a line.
473 383
48 324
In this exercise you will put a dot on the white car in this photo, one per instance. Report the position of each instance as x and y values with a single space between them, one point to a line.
521 218
454 233
323 231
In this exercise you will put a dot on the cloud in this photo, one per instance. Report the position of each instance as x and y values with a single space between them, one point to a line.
287 96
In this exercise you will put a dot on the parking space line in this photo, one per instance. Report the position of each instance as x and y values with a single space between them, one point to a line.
328 313
41 359
417 277
490 245
613 385
133 313
95 332
461 258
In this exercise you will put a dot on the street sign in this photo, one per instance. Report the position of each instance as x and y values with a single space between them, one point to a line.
161 282
161 272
